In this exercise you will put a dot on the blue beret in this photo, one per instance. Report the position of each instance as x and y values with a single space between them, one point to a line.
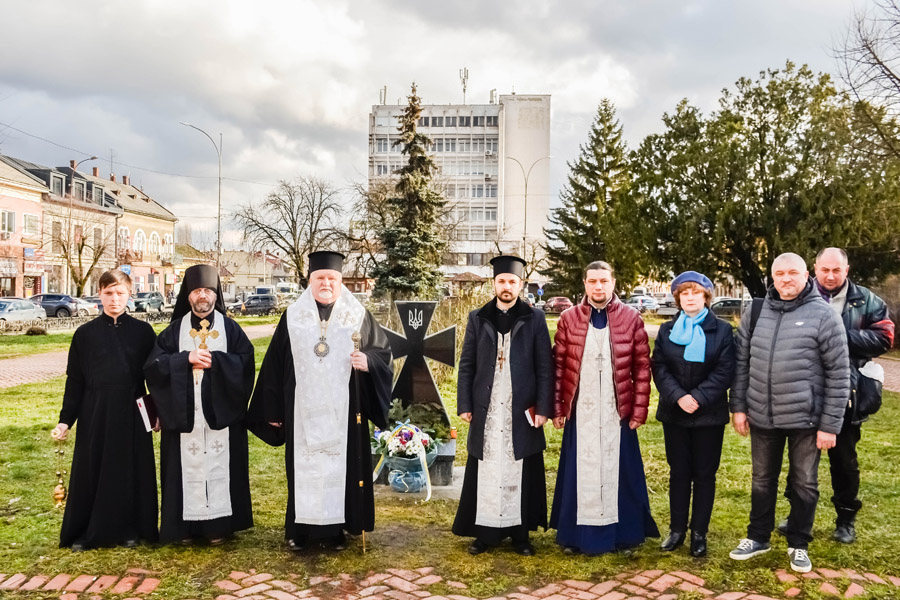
694 277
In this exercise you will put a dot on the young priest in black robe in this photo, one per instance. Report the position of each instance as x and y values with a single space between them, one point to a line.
316 394
200 375
112 487
505 370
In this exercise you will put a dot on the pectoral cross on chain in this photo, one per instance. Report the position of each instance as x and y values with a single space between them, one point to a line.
202 333
501 358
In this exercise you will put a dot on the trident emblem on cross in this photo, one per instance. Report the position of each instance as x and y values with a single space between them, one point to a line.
202 333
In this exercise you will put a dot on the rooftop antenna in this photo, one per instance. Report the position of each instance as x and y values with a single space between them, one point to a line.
382 95
493 95
464 80
112 157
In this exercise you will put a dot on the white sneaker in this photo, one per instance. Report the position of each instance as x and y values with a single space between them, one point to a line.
748 548
800 560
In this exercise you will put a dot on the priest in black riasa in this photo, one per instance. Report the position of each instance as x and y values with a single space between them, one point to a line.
112 486
315 394
505 371
200 375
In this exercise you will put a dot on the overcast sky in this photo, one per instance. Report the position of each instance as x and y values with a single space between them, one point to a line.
290 83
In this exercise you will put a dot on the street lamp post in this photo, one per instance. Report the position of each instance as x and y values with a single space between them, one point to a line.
69 241
525 176
219 210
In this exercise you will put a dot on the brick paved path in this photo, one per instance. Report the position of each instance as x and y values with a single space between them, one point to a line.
46 366
424 584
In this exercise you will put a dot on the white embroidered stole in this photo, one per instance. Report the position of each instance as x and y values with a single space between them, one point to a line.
205 458
598 433
321 406
499 494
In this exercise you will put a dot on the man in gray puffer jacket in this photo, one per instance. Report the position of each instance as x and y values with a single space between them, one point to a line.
791 385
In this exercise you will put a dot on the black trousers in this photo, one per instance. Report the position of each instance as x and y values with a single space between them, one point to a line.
693 455
767 451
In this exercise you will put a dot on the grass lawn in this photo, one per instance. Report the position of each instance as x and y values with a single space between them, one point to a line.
414 534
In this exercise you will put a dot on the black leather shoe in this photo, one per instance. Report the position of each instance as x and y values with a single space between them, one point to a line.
698 544
130 543
296 545
78 547
524 548
477 547
674 540
339 542
844 533
571 551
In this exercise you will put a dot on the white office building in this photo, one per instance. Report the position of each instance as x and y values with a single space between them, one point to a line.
494 165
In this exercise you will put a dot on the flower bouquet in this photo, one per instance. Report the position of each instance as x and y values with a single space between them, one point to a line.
408 452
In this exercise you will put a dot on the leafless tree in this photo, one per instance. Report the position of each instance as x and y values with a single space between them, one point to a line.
297 218
869 63
82 238
534 254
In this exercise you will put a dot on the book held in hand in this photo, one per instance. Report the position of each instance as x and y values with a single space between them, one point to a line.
148 410
529 414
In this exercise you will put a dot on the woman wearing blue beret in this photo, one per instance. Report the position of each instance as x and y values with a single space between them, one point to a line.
693 363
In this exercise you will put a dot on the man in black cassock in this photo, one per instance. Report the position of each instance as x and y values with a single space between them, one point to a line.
315 394
505 370
201 397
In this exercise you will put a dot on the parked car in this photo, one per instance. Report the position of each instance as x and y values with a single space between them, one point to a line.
146 301
95 300
729 308
261 304
557 304
56 305
643 303
529 298
20 309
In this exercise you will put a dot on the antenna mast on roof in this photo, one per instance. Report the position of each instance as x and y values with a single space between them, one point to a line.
464 80
112 156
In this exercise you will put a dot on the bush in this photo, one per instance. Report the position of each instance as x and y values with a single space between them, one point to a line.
35 330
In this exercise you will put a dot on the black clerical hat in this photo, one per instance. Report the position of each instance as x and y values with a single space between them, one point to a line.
508 264
325 259
195 277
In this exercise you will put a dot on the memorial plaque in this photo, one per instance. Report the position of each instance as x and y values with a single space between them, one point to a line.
415 384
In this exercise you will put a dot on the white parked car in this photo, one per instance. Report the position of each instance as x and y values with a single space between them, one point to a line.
19 309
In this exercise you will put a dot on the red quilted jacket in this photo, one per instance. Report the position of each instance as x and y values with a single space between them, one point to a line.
630 356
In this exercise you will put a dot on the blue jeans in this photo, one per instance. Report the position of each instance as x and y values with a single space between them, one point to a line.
767 450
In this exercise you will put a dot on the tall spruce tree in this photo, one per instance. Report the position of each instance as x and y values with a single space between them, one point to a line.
411 241
594 203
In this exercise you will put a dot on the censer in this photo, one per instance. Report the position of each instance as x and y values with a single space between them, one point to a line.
60 492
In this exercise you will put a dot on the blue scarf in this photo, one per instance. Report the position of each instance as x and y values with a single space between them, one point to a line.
688 332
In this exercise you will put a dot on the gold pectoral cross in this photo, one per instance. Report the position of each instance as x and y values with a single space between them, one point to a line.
501 358
203 333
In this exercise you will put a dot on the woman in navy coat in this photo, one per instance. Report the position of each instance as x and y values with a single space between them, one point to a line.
693 363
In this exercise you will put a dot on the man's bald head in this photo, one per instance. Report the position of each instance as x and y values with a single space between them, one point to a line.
789 275
832 268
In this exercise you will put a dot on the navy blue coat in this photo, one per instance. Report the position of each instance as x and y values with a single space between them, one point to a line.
531 373
707 382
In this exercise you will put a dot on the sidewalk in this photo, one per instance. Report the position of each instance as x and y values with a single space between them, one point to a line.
44 367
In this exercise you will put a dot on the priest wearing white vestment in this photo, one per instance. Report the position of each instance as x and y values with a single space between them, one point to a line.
316 394
505 371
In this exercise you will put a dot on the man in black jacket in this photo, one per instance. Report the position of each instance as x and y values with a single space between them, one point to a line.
870 333
505 371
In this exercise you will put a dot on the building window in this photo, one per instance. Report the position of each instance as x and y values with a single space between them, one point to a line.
7 224
122 241
450 145
490 190
98 239
476 214
477 121
98 194
450 121
464 144
382 120
381 145
490 214
382 169
154 243
423 121
167 248
437 145
31 225
78 190
437 121
56 183
491 121
478 190
462 190
465 121
138 282
140 241
478 145
491 144
464 167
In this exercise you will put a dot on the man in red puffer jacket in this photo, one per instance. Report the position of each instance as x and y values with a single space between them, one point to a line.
602 360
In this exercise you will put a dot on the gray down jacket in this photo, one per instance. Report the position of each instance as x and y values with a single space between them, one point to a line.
795 372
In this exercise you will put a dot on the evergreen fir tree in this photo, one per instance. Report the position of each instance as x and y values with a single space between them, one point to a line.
594 202
411 241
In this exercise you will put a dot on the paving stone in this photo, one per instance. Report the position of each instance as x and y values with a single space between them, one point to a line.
147 586
496 598
280 595
80 583
854 590
398 595
287 586
304 594
687 586
791 593
34 583
405 574
727 596
688 577
614 596
827 588
632 589
894 580
437 598
226 597
668 597
785 577
579 594
875 578
69 597
652 574
373 589
521 596
665 582
548 590
125 584
238 575
458 597
830 574
58 582
811 575
254 579
580 585
318 580
602 588
401 584
428 580
460 586
759 597
104 582
640 580
229 586
14 582
523 589
2 577
853 575
652 594
136 571
424 570
259 587
425 594
373 579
